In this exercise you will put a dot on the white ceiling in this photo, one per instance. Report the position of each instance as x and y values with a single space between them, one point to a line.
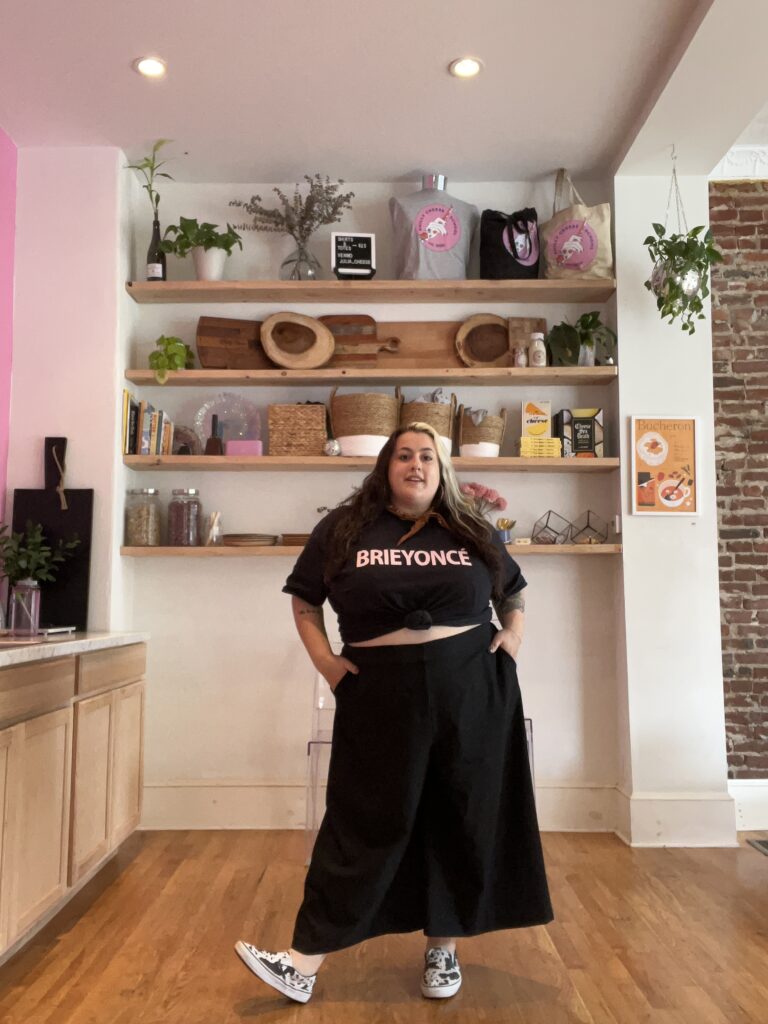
263 90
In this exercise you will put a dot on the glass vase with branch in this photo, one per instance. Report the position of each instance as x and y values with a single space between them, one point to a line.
299 216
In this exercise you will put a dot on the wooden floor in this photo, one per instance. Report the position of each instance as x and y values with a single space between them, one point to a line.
668 935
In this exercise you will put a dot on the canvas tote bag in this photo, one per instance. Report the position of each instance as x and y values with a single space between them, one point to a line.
509 245
576 242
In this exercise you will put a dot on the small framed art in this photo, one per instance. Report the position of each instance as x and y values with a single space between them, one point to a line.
665 465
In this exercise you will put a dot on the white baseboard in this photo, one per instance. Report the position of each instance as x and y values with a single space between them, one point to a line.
751 796
643 819
678 819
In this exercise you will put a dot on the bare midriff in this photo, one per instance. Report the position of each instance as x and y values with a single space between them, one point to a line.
413 636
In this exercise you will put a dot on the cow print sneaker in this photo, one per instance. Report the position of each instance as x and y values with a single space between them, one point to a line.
277 970
442 974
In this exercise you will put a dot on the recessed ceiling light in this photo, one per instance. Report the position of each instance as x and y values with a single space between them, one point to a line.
150 67
465 67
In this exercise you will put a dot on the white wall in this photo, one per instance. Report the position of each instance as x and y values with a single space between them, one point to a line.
676 721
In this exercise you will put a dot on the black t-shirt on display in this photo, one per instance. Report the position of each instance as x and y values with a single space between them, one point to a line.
431 579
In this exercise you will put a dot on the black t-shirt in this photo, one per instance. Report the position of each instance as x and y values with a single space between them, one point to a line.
382 585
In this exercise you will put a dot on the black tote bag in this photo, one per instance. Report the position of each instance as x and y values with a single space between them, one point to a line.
509 245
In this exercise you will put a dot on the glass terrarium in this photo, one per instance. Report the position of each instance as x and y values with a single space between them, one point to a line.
589 528
551 528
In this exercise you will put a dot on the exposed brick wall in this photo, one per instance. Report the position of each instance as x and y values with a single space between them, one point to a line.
739 219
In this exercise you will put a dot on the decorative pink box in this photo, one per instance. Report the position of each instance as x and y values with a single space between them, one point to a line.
243 448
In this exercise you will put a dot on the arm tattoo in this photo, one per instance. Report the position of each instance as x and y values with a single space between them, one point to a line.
515 603
316 613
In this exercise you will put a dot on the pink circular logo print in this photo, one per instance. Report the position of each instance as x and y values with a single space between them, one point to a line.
526 244
437 227
573 245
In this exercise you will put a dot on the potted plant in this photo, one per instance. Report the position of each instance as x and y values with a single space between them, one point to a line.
209 247
172 354
584 343
27 559
299 217
679 279
149 169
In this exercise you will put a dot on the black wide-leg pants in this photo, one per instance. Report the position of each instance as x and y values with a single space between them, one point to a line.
430 820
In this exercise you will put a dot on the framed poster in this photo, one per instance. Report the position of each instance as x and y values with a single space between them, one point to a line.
665 465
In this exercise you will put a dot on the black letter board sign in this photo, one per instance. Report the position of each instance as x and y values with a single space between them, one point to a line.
353 255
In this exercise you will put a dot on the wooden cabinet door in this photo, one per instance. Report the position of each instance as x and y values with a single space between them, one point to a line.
127 761
44 768
8 829
90 831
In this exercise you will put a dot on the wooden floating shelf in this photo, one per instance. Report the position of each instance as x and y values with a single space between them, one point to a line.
592 291
277 550
340 463
553 376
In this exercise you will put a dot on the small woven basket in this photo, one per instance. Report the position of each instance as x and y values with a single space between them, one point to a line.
297 429
364 413
436 414
490 431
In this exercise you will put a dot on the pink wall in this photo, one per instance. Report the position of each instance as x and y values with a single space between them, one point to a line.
7 238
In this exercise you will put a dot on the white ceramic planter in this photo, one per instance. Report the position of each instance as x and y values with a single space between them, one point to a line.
209 263
362 444
483 449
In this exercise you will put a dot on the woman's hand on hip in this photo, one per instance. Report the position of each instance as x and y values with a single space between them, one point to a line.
334 668
508 640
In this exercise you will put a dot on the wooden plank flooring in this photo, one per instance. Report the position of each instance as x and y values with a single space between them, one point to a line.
663 936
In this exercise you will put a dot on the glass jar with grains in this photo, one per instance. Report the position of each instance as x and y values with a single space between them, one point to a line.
185 517
142 517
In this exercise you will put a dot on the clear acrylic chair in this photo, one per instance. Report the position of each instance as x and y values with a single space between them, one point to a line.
318 755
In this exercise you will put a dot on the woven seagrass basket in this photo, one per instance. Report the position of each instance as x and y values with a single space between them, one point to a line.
489 432
364 415
438 415
297 429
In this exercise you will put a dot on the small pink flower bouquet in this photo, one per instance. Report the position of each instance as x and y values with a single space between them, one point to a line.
485 498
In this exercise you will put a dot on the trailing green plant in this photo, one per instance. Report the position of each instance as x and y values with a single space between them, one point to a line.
565 340
680 277
188 234
29 556
301 215
149 168
173 354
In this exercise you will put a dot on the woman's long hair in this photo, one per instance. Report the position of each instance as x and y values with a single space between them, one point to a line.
366 505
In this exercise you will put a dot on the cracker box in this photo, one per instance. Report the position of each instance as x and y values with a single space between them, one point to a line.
537 419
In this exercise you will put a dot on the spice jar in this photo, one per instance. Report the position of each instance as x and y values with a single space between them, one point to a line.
142 517
519 356
184 517
537 350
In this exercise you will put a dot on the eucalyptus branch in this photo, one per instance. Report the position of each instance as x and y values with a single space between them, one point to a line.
300 215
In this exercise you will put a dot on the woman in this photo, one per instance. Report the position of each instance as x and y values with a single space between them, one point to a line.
430 820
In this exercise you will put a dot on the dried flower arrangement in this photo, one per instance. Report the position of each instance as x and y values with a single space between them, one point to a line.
485 498
301 215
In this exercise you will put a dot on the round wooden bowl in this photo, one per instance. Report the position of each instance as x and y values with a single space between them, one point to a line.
483 340
296 342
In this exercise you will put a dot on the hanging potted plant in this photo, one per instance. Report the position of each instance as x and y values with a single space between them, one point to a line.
28 559
680 275
585 343
299 218
209 247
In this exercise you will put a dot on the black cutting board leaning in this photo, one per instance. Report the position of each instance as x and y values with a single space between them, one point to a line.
63 602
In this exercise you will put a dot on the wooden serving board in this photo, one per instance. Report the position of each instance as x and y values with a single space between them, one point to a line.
227 344
356 340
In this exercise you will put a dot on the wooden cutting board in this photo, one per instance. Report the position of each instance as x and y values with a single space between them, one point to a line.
227 344
356 340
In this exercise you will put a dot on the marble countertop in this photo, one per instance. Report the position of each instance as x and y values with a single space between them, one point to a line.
61 646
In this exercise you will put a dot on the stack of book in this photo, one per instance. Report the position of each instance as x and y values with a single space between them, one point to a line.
540 447
146 430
